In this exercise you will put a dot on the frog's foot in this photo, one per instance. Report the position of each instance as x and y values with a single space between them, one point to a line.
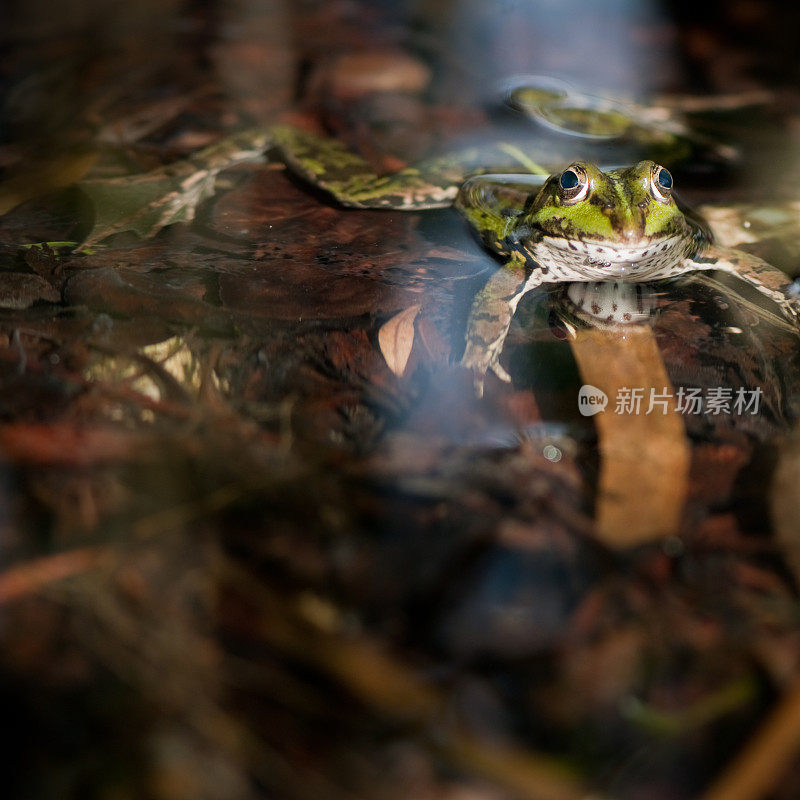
769 281
493 204
490 318
480 357
789 306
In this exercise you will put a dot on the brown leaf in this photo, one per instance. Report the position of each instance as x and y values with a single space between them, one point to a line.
359 74
396 338
123 292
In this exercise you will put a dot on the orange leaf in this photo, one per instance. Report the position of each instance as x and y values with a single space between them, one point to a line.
396 338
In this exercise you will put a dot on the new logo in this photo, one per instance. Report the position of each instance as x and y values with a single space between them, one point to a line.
591 400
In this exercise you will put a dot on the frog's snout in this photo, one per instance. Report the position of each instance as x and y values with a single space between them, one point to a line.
632 234
628 225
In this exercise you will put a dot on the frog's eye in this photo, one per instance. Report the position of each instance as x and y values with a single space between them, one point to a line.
569 179
660 183
573 184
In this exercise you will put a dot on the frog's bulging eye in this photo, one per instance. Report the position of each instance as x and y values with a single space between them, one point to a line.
573 184
569 179
661 183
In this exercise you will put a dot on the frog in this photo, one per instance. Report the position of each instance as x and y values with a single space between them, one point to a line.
545 223
558 121
581 223
587 225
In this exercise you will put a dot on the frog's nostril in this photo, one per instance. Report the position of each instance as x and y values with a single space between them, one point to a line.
631 234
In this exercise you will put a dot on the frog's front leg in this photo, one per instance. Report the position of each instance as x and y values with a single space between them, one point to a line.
768 280
494 205
490 318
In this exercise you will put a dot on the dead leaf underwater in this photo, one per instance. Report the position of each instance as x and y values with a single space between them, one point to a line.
396 339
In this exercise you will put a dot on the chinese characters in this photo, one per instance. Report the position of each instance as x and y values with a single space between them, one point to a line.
714 401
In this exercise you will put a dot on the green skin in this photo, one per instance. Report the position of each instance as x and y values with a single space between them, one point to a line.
350 179
620 205
622 226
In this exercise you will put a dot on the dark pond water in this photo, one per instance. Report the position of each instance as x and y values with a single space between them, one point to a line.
260 535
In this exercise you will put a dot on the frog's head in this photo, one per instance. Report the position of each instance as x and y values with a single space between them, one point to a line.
624 223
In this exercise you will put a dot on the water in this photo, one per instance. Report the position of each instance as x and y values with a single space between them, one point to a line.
244 558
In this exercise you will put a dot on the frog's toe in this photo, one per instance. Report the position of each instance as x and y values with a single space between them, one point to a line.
481 362
478 381
478 363
500 371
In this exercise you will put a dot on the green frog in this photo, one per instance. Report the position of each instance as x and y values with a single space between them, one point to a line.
579 224
586 225
576 123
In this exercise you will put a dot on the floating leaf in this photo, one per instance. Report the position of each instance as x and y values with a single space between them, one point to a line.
396 338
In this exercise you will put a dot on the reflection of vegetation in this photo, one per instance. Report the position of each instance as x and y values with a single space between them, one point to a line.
170 604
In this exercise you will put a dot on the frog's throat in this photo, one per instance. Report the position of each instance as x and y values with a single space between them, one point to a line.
577 260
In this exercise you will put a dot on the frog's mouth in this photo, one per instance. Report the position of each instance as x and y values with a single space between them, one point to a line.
577 259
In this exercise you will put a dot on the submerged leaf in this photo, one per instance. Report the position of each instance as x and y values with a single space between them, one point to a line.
644 472
396 338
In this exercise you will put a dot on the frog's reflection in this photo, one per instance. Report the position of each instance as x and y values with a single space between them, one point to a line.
605 305
541 357
608 303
